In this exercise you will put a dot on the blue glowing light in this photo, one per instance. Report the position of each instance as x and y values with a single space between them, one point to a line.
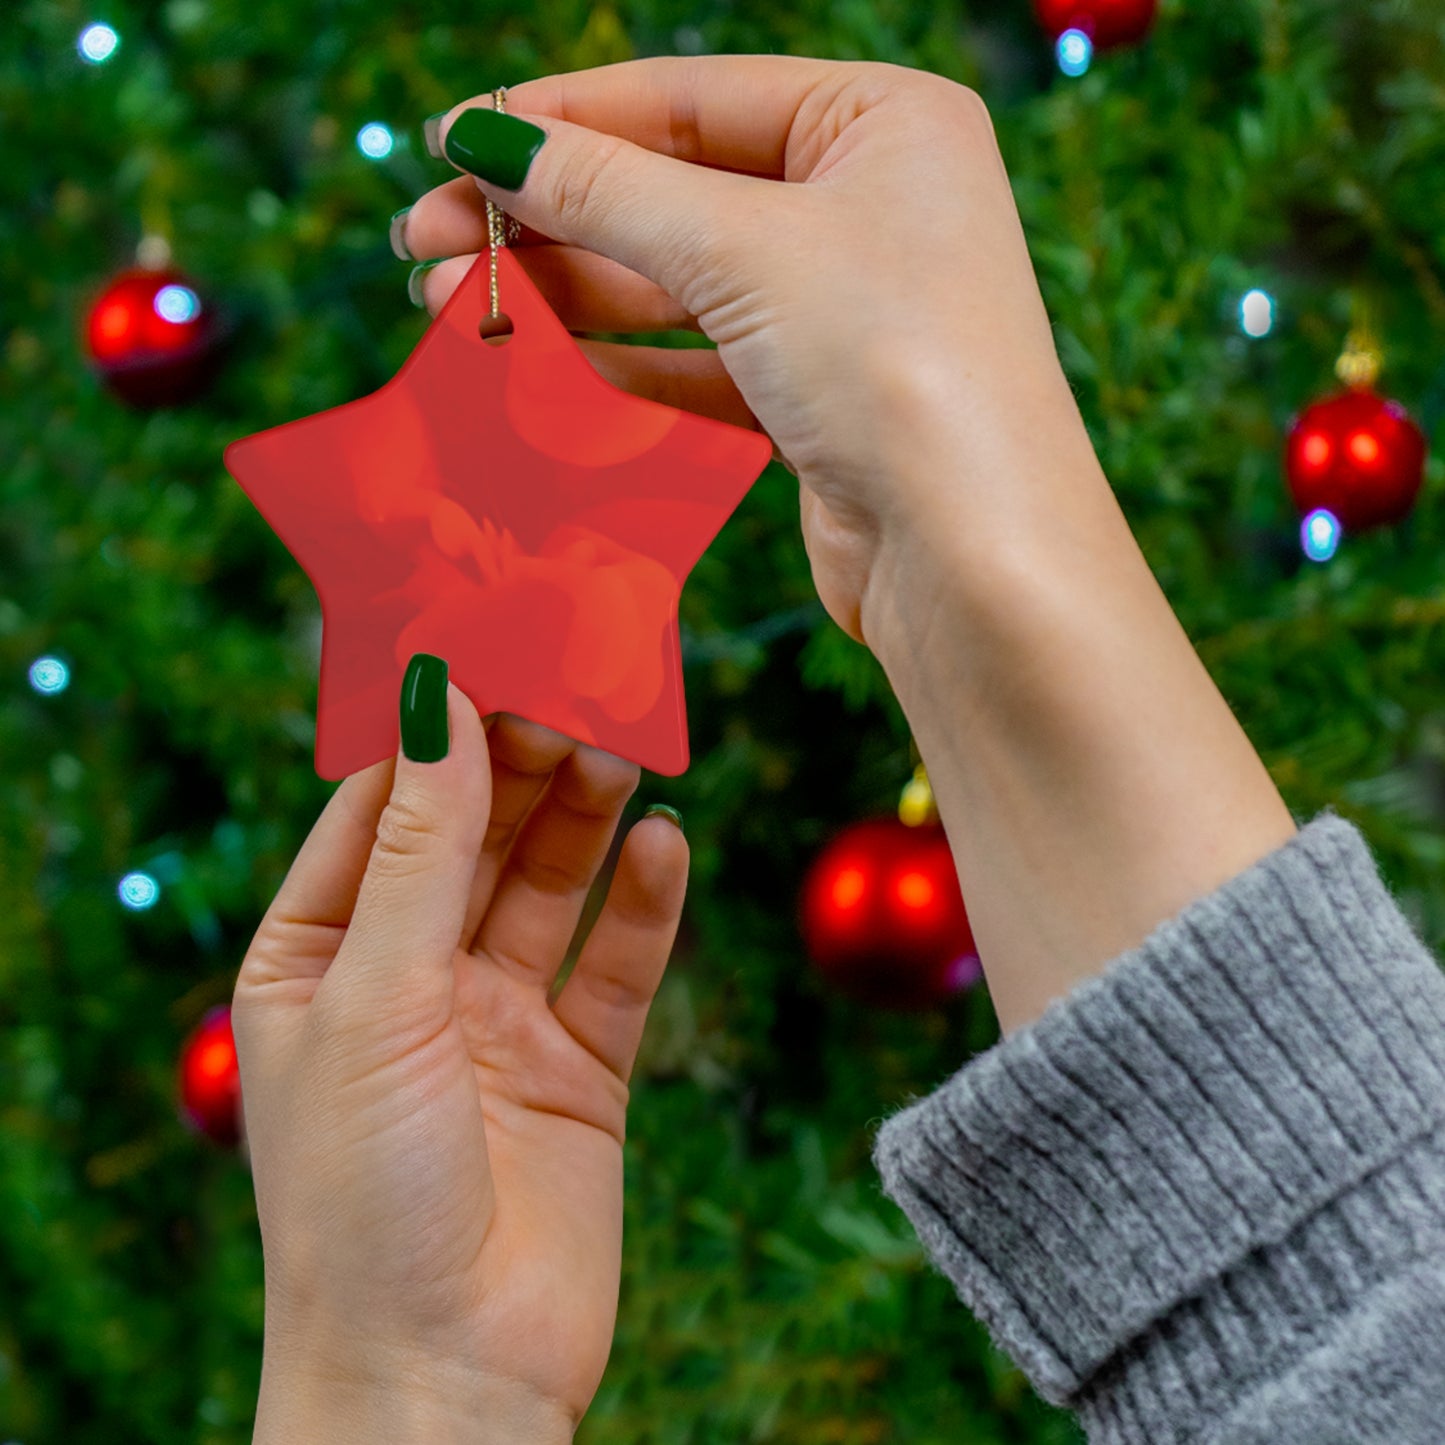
1075 51
138 890
1320 535
375 140
49 675
1256 313
177 303
97 43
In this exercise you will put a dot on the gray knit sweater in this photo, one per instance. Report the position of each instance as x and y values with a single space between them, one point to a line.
1202 1199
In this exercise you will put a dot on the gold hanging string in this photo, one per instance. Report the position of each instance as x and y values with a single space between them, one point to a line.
1360 362
501 227
154 251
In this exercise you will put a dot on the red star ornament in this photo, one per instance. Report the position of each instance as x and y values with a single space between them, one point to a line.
503 507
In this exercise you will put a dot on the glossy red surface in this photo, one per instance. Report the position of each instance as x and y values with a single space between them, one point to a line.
1359 456
503 507
143 357
124 322
210 1079
883 916
1106 22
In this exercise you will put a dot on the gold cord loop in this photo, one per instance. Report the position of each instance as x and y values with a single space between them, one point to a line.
501 228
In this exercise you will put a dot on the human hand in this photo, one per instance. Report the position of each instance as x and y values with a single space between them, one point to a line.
879 318
437 1149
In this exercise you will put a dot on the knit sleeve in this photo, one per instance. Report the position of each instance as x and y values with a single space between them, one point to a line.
1202 1198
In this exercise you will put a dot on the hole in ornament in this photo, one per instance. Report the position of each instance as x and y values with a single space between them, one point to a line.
495 330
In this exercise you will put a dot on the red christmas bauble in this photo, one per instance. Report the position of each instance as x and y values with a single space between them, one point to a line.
883 918
1357 455
152 338
210 1079
1107 23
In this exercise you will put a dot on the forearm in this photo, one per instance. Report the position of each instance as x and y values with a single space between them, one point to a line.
1092 779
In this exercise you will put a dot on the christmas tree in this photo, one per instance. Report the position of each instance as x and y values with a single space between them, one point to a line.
1212 213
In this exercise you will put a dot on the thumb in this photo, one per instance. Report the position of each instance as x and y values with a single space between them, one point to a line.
395 962
669 220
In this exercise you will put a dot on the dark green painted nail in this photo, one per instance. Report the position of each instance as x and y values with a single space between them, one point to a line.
425 737
431 133
498 148
415 282
671 814
398 235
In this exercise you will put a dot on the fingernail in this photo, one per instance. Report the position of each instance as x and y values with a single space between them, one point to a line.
431 131
671 814
425 737
415 283
398 235
498 148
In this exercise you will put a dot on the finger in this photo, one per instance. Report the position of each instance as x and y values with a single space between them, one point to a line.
557 853
657 216
524 756
297 939
299 934
605 1001
592 293
395 964
741 112
588 292
433 287
691 379
454 208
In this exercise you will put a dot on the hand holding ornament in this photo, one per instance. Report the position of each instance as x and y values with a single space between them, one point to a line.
436 1141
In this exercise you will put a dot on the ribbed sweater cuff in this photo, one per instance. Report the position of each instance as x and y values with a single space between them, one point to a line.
1168 1126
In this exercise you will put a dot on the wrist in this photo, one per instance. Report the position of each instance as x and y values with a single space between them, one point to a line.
1092 779
980 529
359 1403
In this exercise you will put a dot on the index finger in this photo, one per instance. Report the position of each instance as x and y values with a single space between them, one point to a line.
301 929
735 112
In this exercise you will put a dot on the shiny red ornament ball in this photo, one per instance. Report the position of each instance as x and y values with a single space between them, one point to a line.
152 338
1357 455
1107 23
210 1079
883 917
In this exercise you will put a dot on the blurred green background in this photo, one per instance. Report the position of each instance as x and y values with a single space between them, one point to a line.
770 1291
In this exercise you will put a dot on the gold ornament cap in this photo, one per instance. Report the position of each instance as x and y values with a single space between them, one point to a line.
916 806
1360 362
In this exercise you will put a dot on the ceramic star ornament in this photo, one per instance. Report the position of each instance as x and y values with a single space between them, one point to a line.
505 508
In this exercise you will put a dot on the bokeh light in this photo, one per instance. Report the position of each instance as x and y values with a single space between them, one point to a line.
138 890
1364 448
1256 313
1320 535
964 971
97 43
375 140
849 887
49 675
1075 51
914 889
177 303
1316 451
